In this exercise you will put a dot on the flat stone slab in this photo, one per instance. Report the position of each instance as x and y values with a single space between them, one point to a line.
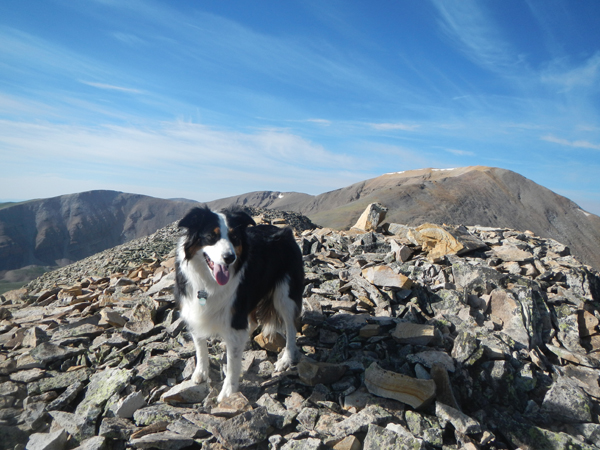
412 391
186 392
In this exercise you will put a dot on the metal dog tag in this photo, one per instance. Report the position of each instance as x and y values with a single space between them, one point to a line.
202 296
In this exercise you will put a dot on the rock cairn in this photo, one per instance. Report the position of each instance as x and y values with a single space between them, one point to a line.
435 337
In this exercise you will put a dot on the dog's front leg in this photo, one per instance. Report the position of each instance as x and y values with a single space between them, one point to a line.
235 342
201 372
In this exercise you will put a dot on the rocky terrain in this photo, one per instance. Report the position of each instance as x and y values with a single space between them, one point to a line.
432 337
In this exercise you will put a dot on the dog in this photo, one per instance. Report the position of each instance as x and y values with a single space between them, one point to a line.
231 276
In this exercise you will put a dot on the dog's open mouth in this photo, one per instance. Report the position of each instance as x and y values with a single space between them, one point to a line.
219 271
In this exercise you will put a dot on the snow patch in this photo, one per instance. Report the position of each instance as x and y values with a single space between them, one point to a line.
280 196
586 213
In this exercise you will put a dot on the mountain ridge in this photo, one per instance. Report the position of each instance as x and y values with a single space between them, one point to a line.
475 195
59 230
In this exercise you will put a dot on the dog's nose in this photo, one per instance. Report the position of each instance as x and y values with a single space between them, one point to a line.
229 258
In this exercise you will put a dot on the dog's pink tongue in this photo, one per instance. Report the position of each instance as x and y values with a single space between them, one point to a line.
221 274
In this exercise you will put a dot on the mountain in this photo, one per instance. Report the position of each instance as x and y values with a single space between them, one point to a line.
60 230
56 231
476 195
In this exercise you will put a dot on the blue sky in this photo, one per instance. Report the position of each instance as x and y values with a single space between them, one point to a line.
207 99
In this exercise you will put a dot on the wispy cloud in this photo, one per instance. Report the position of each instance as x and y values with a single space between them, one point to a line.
459 152
187 154
324 122
30 55
577 143
128 38
394 126
466 24
111 87
567 76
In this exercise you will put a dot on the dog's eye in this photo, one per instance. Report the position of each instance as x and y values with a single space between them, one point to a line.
211 238
234 238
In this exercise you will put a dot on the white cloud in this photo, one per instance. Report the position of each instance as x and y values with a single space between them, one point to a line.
459 152
577 143
473 32
567 76
128 38
111 87
177 155
324 122
394 126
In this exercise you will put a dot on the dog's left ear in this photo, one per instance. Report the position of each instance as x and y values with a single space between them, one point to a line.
195 218
238 218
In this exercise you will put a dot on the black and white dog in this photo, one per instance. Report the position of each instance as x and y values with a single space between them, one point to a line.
231 276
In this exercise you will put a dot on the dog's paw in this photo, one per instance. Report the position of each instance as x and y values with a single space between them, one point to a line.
199 375
285 362
226 391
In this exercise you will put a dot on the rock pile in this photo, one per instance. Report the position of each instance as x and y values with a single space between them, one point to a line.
429 337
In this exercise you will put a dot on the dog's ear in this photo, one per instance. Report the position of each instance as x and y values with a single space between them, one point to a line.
238 218
194 218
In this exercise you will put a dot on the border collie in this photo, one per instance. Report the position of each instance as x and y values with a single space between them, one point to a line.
231 276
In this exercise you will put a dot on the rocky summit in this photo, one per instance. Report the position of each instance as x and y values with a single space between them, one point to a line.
433 337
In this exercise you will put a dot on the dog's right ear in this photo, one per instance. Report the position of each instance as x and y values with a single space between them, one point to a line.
194 218
239 218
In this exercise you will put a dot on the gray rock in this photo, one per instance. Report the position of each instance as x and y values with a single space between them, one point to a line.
186 428
78 426
186 392
47 353
508 311
159 413
358 423
116 428
58 380
127 406
430 357
280 417
205 422
460 421
247 429
56 440
102 386
303 444
523 435
94 443
379 438
166 440
307 418
68 395
565 401
313 373
155 366
27 376
466 349
34 416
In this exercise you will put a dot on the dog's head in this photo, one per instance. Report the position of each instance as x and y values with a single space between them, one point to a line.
217 238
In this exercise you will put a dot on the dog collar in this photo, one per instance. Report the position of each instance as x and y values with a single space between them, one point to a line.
202 296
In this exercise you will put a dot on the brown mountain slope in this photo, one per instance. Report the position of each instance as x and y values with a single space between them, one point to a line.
284 201
476 195
59 230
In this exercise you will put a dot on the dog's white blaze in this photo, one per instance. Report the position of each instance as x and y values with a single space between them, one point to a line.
223 247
